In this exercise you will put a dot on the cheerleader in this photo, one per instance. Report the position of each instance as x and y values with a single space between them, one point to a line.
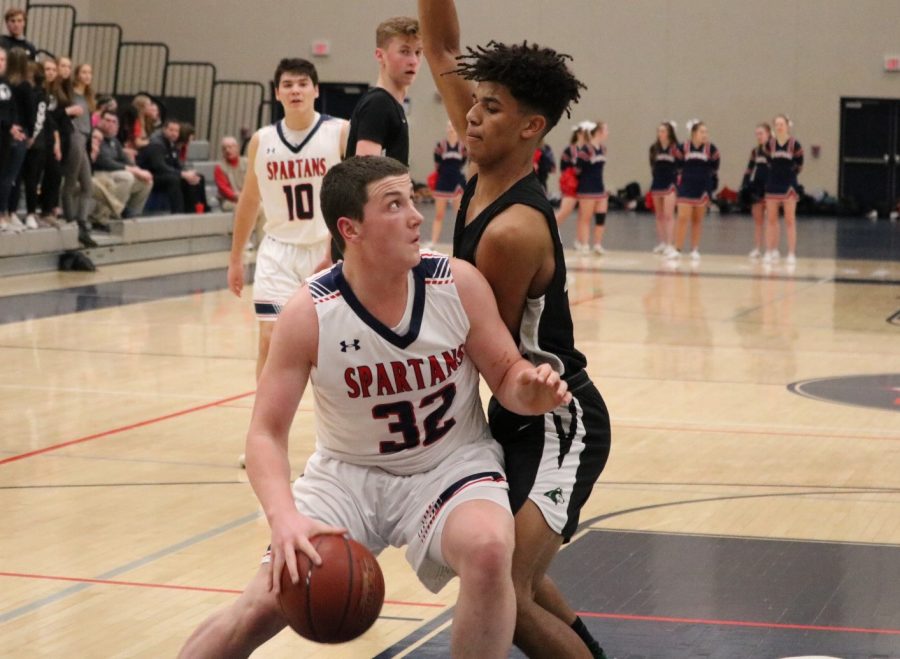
753 187
568 172
785 157
665 162
592 196
449 159
699 177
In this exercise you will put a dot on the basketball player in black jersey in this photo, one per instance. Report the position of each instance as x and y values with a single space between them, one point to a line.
504 99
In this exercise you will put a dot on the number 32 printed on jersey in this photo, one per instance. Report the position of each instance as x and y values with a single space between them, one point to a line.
299 201
406 426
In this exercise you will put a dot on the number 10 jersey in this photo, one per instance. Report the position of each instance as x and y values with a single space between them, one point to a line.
401 402
290 178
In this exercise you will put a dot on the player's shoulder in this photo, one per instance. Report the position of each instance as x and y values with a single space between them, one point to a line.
435 267
324 286
518 229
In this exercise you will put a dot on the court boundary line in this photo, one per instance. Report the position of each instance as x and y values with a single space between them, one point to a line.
726 536
200 589
121 429
742 623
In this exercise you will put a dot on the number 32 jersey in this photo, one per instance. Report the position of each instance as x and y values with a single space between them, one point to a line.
290 178
401 402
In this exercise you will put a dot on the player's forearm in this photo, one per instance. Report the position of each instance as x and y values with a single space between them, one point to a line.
269 472
440 27
244 222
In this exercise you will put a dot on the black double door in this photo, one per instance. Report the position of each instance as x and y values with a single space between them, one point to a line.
870 152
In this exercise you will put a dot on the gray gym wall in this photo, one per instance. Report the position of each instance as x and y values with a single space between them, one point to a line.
731 63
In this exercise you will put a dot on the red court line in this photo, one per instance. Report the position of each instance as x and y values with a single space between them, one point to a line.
116 431
742 623
143 584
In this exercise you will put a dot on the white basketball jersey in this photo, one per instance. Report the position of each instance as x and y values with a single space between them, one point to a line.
290 178
398 402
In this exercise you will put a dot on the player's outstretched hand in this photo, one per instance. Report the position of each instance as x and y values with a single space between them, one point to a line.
543 389
289 536
236 277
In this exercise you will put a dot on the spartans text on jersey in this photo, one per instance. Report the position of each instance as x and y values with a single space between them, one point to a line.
398 377
283 170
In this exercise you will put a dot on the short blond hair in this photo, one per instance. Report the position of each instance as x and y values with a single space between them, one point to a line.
398 26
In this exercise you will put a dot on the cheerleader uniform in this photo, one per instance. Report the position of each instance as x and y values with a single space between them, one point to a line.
449 160
568 172
591 161
785 162
665 165
699 175
756 175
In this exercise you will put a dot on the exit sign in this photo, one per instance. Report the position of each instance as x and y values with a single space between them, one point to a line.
321 48
892 63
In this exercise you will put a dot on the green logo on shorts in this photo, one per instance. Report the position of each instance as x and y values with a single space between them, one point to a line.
556 496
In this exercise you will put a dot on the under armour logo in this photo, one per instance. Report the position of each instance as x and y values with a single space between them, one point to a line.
354 344
556 496
270 150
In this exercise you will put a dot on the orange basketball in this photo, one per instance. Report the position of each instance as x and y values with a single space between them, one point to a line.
337 601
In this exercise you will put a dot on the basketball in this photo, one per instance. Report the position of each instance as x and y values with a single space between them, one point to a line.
337 601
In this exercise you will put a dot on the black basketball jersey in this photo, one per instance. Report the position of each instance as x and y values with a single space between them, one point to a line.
546 333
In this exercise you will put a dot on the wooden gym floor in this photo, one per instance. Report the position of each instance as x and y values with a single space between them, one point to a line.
750 508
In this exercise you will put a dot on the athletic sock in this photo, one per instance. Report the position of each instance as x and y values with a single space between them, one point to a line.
579 628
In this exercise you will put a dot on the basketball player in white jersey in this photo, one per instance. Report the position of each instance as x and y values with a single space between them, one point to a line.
393 340
285 165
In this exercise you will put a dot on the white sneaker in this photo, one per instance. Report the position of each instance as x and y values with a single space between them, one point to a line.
598 249
15 224
894 215
671 253
582 248
755 254
4 225
872 215
791 259
242 461
695 255
31 222
659 249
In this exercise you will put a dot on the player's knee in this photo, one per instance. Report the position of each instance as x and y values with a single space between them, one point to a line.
488 561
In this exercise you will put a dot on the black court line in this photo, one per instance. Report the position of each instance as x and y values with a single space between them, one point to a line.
895 319
414 637
852 543
684 502
83 485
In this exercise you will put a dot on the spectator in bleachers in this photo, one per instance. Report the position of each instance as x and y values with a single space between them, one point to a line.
229 173
106 204
61 128
185 137
15 26
19 92
65 68
41 140
183 188
140 122
130 184
104 103
77 168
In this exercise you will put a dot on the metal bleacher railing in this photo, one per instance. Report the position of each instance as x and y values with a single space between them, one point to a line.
126 68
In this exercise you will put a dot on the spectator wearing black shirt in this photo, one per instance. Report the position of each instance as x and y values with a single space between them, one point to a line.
130 184
378 124
41 138
15 25
18 93
160 157
58 129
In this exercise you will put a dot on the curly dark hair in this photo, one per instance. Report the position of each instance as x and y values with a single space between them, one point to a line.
536 77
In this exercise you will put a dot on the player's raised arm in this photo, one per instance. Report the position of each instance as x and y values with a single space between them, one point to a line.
244 220
441 43
284 377
518 385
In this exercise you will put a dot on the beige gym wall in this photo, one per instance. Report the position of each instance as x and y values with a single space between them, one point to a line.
731 63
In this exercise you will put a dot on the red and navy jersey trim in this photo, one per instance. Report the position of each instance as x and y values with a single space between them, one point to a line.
297 149
323 287
433 510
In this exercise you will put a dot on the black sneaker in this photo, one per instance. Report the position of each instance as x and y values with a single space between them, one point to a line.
84 237
596 651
